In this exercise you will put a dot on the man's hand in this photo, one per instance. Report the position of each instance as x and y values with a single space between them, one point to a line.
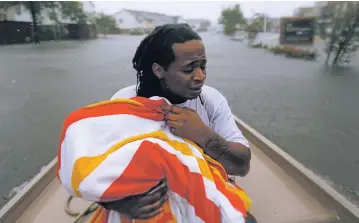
141 206
186 123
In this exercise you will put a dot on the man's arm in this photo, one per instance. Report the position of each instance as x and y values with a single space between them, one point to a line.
143 206
225 142
234 156
184 122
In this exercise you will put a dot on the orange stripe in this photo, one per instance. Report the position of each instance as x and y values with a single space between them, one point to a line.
141 107
151 110
125 219
235 200
94 216
164 217
100 216
211 162
235 190
141 167
148 173
85 165
221 176
152 172
115 101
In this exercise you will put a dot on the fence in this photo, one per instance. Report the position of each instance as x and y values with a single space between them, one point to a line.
21 32
15 32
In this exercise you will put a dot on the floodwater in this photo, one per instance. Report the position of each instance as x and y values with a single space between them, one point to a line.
311 113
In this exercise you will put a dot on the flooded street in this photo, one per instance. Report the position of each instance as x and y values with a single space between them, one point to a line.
309 112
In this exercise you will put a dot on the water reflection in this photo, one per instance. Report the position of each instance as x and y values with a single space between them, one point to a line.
306 108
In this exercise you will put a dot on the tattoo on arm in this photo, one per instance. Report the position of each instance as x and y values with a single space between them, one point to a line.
217 146
237 163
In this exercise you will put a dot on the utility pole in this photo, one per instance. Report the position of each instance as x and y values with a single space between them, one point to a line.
34 10
265 17
265 23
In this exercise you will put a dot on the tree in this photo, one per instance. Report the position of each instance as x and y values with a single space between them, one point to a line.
204 25
255 26
105 24
71 10
344 38
232 17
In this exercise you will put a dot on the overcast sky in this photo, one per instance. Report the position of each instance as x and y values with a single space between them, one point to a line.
203 9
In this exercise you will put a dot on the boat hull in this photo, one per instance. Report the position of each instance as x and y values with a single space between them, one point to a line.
282 190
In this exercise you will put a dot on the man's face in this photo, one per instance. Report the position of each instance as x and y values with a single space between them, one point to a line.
185 76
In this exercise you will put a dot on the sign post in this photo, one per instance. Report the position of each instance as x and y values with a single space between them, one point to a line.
297 30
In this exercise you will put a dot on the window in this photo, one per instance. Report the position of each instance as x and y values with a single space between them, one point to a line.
2 16
18 9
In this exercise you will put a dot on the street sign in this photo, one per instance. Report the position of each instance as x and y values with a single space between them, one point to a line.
297 30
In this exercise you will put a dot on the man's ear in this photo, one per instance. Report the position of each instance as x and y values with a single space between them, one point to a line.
158 70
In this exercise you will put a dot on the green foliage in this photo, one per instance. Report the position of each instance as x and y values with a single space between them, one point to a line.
106 24
344 39
72 10
66 9
258 45
294 52
256 26
230 18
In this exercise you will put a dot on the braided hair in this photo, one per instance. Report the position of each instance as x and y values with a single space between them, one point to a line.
157 47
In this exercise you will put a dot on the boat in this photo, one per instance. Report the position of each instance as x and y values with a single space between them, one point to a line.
282 190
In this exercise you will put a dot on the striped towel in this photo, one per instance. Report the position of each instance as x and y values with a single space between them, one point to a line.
117 148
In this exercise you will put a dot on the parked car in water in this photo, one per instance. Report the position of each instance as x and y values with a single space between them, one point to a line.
239 36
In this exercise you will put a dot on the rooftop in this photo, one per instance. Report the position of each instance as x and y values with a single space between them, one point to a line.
153 16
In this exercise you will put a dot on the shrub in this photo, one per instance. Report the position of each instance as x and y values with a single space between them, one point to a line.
294 52
136 32
277 50
258 45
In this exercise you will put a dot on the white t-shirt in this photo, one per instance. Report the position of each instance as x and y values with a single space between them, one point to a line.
214 112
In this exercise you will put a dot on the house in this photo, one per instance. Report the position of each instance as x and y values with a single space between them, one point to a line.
326 10
19 13
270 24
128 20
194 23
16 24
90 11
199 24
273 25
216 28
305 12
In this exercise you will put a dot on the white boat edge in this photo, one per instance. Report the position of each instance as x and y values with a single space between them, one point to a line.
314 182
311 182
33 189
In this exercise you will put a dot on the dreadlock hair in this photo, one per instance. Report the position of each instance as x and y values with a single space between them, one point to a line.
157 47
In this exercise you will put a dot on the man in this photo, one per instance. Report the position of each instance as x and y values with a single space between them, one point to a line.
171 63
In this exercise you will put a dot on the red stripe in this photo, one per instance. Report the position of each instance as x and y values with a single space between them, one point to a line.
151 110
149 165
234 199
